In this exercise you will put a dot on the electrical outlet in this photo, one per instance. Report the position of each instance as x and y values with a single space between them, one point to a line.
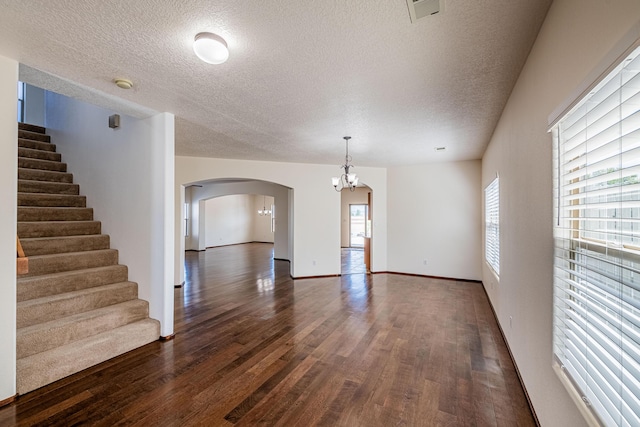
313 262
424 262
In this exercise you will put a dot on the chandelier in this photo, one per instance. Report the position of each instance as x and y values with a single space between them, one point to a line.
264 210
347 179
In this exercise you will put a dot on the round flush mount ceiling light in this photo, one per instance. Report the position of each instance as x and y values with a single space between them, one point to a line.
211 48
123 83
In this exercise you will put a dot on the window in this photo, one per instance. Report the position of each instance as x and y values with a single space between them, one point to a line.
492 225
597 246
357 225
273 218
21 90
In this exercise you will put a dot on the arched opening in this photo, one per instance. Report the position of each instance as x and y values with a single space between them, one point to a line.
198 197
356 230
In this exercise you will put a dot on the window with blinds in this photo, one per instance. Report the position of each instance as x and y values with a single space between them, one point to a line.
492 225
597 246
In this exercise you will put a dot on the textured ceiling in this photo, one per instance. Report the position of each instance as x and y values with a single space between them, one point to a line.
300 75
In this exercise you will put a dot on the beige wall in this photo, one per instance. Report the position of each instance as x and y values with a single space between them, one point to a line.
8 194
434 215
576 37
234 219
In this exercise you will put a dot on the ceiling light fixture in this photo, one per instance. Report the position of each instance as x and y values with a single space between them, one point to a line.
211 48
264 210
347 179
123 83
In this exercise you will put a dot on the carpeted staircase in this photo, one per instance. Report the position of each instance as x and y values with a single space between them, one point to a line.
76 307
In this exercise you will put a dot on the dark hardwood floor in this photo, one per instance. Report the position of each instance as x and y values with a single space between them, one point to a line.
254 347
352 261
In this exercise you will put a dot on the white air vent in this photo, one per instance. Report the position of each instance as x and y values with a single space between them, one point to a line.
422 8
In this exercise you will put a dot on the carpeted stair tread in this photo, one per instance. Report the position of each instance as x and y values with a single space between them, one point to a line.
29 163
28 229
35 186
63 244
36 145
51 200
44 368
55 263
45 336
36 136
36 213
31 128
69 281
39 154
45 309
44 175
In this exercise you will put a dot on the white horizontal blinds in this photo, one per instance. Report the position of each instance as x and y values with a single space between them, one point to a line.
492 224
597 246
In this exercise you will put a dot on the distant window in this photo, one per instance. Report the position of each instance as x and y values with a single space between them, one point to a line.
492 225
20 102
596 336
273 218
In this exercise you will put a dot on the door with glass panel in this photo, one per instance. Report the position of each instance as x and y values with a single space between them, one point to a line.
357 225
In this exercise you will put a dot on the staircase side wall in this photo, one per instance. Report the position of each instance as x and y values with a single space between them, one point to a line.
8 194
127 176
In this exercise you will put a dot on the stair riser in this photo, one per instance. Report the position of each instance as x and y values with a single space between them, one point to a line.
39 154
44 175
59 228
54 214
45 264
51 200
53 284
31 128
44 368
36 145
52 245
32 314
28 163
38 339
36 136
25 186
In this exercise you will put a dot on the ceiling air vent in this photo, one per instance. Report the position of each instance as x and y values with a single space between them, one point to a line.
422 8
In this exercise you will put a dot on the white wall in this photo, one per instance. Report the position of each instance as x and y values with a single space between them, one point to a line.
359 197
434 215
127 176
8 194
576 36
227 220
234 219
315 207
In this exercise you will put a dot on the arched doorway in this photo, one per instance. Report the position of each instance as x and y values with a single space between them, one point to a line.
193 212
356 230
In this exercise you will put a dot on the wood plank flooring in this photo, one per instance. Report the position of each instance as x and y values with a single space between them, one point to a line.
352 261
254 347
